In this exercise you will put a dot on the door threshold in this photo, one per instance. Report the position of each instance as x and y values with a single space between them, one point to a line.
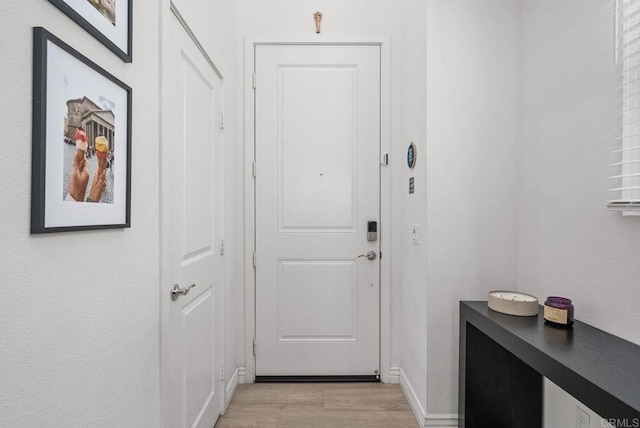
317 379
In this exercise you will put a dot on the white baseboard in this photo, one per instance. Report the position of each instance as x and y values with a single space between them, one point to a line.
425 420
394 374
412 397
242 375
231 389
441 421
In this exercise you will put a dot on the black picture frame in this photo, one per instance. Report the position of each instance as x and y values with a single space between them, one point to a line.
71 93
87 16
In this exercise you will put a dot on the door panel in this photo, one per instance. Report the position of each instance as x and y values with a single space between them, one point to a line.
199 348
307 289
199 112
192 96
318 198
317 184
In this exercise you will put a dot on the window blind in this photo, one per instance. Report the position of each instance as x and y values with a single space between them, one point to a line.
625 166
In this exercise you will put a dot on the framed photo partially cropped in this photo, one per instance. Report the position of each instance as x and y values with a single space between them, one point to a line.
81 156
109 21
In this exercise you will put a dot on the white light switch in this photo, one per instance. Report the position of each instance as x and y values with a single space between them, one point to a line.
415 234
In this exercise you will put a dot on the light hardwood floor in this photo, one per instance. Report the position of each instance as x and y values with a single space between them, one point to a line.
318 405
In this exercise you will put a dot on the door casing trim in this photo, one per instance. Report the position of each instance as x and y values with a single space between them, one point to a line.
384 42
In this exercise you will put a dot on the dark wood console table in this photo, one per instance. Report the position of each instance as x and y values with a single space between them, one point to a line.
503 359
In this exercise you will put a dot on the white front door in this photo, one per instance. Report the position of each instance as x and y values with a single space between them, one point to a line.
191 234
317 149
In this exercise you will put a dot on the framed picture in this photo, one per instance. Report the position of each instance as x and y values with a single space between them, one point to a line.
109 21
81 156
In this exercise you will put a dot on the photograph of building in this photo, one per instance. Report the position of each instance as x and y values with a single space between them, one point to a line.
93 119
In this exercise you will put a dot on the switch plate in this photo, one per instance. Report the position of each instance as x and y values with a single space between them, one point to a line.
415 234
583 420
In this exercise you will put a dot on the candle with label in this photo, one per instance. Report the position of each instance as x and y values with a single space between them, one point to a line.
558 311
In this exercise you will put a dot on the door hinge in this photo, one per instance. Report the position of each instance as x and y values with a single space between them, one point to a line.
222 248
385 159
222 373
253 80
254 258
253 169
221 120
254 346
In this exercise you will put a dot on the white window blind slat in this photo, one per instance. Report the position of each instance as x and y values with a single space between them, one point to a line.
630 110
626 149
632 41
631 55
618 189
625 162
625 175
631 68
617 139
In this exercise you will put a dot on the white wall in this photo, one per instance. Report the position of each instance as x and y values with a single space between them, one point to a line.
472 134
413 258
569 244
295 17
79 313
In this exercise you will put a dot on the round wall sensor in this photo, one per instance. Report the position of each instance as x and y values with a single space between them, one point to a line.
412 154
513 303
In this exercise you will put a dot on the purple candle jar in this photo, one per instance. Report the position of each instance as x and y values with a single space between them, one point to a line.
558 311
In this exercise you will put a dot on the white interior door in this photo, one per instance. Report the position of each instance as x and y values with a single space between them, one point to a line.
191 149
317 149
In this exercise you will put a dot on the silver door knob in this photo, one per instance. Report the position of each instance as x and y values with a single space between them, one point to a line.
371 255
176 291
